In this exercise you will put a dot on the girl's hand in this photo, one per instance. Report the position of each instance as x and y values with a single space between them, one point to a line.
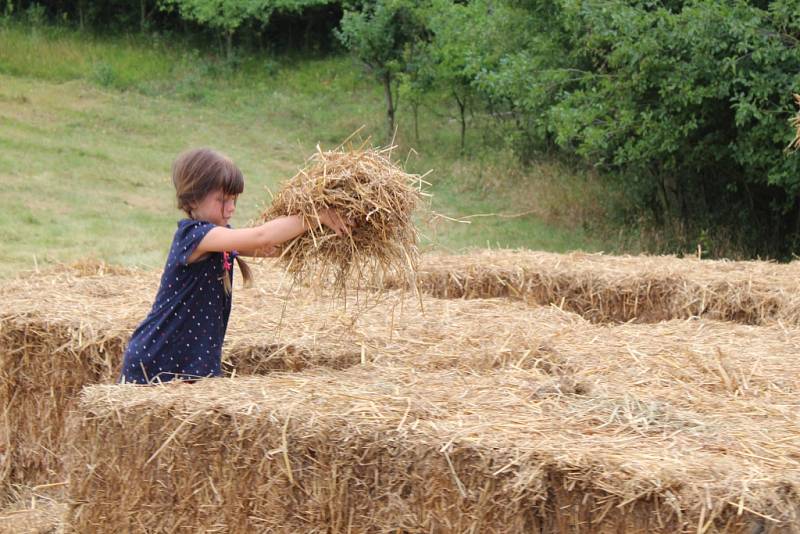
334 220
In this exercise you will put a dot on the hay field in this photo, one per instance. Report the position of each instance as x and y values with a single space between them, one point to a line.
478 414
605 288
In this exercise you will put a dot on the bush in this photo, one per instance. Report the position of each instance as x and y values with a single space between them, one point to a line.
686 104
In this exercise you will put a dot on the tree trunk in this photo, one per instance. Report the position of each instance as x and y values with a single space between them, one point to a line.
80 14
142 14
415 107
229 45
307 33
673 201
387 90
462 108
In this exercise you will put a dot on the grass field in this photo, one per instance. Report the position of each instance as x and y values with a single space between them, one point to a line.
89 127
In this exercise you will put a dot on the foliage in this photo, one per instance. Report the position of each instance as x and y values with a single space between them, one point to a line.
685 104
682 104
689 108
379 32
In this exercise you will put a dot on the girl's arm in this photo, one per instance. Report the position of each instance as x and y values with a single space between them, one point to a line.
263 240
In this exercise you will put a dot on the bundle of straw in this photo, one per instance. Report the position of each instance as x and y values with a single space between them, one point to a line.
365 187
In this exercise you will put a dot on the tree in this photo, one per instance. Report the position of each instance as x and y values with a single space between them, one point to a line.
452 48
378 32
689 108
224 16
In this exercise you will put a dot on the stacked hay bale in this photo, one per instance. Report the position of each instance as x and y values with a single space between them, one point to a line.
442 451
666 369
64 329
619 288
58 332
68 329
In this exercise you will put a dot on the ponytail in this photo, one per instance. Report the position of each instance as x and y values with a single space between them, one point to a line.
247 275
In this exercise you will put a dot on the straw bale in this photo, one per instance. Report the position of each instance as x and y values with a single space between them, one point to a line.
371 450
690 359
619 288
67 329
366 187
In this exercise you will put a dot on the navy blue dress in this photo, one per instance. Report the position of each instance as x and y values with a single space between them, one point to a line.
182 336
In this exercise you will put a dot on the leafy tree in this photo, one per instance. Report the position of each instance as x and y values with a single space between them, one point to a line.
226 16
451 47
416 80
689 107
519 66
378 32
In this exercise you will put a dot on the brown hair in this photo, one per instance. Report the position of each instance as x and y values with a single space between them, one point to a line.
197 172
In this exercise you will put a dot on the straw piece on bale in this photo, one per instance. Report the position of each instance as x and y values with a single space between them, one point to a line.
367 450
620 288
365 187
36 510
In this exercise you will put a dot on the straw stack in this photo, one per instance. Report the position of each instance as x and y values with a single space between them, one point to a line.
365 187
366 450
67 329
620 288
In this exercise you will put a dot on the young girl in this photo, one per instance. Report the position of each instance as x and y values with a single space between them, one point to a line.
182 336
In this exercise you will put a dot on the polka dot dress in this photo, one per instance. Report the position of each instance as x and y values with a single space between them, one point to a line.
182 336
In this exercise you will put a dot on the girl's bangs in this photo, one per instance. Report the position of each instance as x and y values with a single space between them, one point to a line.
231 180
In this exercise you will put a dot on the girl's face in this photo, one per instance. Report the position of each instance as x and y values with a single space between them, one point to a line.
216 207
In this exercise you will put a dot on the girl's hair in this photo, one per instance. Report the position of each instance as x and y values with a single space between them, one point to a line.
197 172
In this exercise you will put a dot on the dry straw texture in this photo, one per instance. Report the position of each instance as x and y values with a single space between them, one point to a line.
371 450
35 510
66 329
620 288
367 188
719 394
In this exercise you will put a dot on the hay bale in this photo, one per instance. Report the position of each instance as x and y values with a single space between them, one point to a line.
619 288
367 188
67 329
57 334
696 358
367 450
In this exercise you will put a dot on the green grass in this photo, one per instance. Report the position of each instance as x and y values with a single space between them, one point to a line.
90 126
